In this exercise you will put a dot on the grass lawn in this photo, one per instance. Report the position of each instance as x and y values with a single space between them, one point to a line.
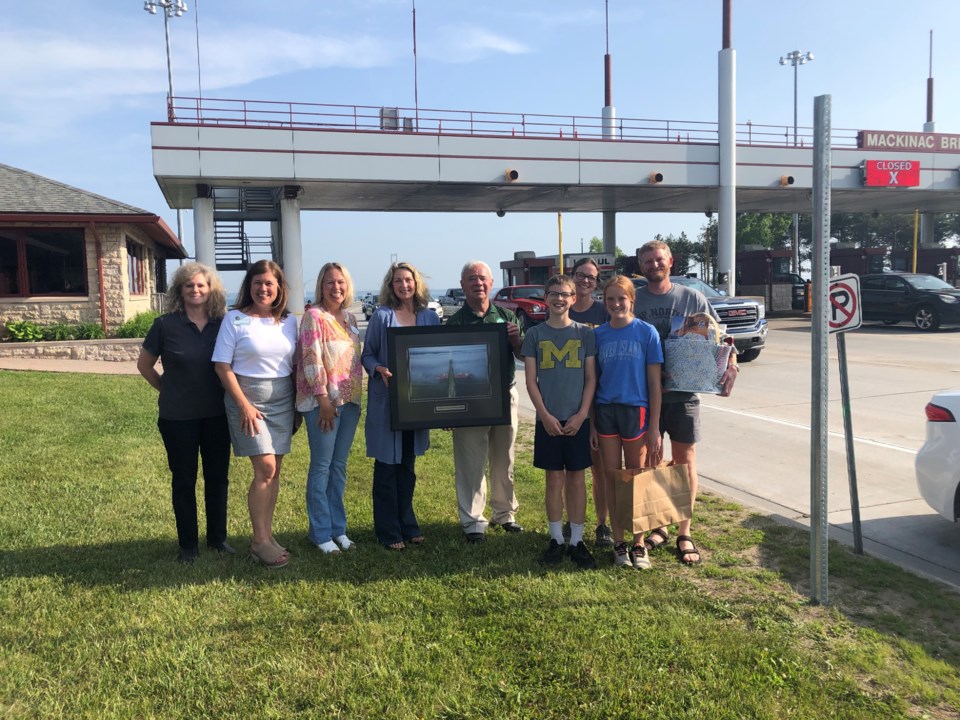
97 620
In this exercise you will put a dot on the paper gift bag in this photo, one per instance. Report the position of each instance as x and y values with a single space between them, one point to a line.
649 498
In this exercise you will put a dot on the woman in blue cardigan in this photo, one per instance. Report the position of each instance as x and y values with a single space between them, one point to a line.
403 303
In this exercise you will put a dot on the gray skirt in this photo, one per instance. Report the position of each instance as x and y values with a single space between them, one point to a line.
274 398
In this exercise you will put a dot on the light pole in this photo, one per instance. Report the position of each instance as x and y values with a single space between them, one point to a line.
796 58
171 8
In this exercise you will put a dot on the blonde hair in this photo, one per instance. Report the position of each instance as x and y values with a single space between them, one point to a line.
622 282
216 298
318 291
262 267
421 294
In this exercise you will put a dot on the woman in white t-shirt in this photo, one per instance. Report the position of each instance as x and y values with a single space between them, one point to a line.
254 358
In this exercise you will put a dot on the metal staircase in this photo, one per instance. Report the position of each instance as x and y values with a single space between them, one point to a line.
234 209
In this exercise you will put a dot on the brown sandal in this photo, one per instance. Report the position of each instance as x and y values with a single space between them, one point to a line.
660 533
682 554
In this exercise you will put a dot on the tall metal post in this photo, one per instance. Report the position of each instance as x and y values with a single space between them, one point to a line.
727 140
819 323
795 58
177 8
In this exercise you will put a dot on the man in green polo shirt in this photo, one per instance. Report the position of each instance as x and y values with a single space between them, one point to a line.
474 447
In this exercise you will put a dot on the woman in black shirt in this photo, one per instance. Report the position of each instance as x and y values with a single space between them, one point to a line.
192 416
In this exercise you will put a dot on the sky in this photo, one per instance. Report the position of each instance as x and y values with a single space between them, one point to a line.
81 82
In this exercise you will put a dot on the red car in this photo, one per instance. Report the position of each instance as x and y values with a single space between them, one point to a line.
526 301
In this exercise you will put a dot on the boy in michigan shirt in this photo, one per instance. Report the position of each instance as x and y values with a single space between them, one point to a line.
560 370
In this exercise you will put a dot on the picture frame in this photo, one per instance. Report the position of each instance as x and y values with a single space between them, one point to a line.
448 376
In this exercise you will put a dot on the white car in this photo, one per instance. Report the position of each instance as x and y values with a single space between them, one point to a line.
437 308
938 461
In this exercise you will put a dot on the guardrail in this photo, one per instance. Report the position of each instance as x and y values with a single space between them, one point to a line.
278 114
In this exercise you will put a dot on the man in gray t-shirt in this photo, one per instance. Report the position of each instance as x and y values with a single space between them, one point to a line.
658 303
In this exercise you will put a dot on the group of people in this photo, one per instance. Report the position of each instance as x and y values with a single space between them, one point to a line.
248 377
602 361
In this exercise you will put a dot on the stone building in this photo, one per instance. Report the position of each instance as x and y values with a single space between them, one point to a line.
71 256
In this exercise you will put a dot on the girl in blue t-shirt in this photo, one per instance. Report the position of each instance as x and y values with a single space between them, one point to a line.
626 422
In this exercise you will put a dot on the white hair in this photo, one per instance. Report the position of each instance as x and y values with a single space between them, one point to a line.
472 264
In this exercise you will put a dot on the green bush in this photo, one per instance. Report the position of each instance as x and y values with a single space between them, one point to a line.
90 331
24 331
59 331
138 325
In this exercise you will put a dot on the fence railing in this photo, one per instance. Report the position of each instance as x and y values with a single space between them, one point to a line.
278 114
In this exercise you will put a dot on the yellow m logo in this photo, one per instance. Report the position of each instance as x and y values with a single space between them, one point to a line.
569 354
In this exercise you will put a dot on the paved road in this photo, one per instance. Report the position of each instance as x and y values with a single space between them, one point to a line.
756 446
757 442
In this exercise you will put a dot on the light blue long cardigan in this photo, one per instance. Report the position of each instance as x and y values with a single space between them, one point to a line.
384 444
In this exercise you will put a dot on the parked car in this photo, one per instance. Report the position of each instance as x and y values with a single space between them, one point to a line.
798 293
926 301
454 296
370 305
744 318
526 301
938 461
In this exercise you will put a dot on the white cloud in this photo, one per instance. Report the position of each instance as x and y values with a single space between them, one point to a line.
466 43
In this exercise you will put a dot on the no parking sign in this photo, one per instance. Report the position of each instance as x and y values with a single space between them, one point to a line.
844 296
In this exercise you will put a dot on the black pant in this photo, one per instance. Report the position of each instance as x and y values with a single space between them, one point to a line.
183 439
393 517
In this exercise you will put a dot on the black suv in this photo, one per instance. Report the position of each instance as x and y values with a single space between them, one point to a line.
924 300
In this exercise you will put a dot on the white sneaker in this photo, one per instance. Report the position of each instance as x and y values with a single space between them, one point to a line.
344 542
638 554
329 547
621 558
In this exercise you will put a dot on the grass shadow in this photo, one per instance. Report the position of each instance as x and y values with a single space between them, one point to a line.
871 593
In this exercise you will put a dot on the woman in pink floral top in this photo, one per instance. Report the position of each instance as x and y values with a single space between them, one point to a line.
329 379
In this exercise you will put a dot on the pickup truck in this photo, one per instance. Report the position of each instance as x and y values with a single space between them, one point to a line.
744 318
454 296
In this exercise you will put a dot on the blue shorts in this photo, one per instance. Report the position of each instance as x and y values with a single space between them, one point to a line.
562 452
626 422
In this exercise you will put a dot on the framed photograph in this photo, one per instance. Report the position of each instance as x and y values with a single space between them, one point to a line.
448 376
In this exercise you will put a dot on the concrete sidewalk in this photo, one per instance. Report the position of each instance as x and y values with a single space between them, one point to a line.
99 367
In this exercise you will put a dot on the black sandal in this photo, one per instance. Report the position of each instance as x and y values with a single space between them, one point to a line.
660 533
683 554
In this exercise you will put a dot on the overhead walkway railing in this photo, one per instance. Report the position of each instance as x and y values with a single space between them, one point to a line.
275 114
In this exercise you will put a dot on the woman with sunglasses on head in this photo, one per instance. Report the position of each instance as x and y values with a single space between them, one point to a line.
329 387
254 358
403 303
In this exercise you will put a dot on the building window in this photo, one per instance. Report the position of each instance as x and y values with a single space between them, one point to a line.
137 267
42 261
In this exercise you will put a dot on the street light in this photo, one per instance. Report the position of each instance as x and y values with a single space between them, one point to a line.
796 58
171 8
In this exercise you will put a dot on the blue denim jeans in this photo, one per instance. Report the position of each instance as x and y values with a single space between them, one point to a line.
327 475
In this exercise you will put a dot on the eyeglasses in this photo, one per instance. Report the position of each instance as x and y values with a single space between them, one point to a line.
554 295
585 278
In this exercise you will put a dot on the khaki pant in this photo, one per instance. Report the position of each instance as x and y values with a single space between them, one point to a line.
472 448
